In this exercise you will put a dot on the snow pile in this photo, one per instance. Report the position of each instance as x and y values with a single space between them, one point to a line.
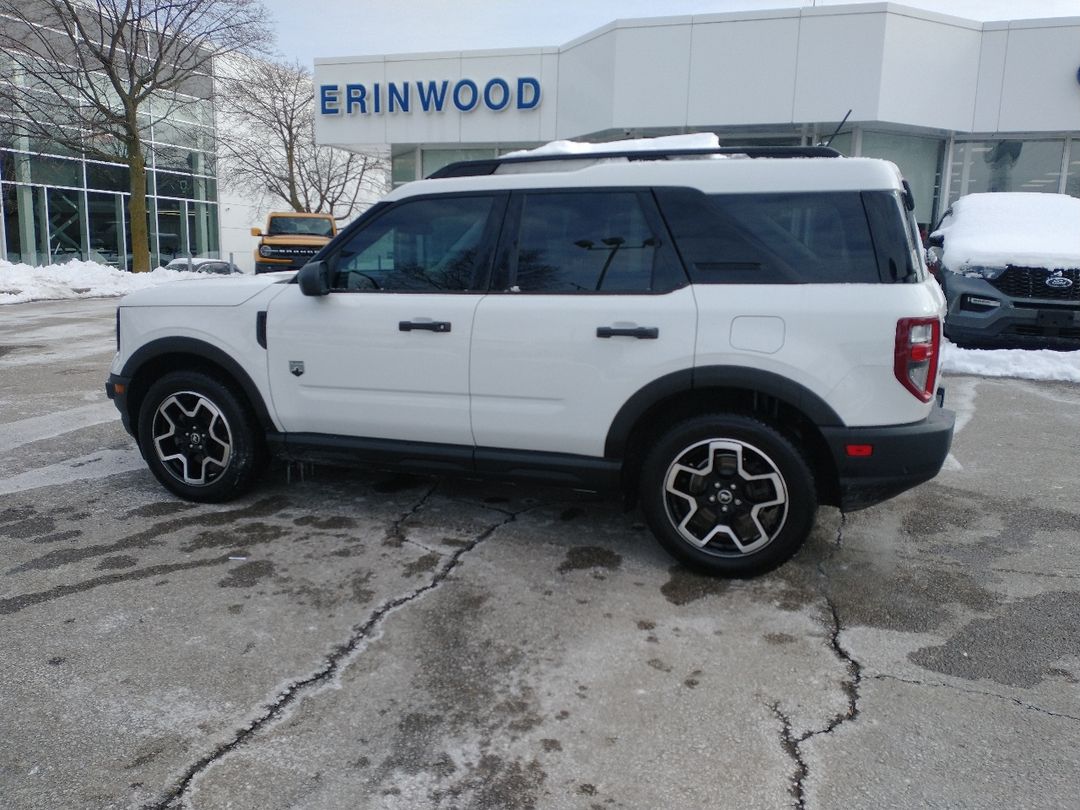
696 140
76 279
1028 364
1027 229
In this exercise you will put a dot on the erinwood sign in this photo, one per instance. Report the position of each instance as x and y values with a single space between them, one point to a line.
429 96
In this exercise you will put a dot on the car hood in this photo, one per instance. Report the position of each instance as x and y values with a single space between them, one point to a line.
213 291
295 239
1023 229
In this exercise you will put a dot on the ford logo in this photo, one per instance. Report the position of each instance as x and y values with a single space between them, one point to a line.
1058 281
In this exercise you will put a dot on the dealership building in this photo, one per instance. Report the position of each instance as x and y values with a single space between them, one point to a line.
961 106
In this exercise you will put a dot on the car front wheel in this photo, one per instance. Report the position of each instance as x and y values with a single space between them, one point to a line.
728 495
199 437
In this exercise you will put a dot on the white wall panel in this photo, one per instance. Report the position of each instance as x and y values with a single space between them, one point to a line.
450 125
930 71
586 86
652 66
839 66
416 126
344 130
510 125
549 118
994 46
1040 90
743 71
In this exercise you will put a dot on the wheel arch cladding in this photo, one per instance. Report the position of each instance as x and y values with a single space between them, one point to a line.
793 409
161 356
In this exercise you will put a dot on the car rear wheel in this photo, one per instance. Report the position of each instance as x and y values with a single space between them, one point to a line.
728 495
199 438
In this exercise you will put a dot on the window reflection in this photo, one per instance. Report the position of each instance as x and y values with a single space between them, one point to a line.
584 242
1006 165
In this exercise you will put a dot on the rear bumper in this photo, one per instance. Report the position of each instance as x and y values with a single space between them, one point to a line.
903 457
116 389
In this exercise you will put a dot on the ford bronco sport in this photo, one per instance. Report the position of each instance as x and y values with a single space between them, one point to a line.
732 336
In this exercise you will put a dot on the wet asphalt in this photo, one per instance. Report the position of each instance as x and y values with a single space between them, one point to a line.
346 639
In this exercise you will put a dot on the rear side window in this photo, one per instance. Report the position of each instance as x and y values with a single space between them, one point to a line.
796 238
590 241
895 237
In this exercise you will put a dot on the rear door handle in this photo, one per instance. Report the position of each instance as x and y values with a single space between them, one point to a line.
639 332
430 326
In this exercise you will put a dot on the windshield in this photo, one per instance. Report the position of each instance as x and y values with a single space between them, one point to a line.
307 226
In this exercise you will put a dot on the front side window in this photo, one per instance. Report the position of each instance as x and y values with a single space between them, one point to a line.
428 245
587 242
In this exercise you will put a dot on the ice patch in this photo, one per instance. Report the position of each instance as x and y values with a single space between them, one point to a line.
37 428
84 468
960 397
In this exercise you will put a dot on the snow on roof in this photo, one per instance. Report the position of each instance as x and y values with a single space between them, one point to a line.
696 140
1019 228
76 279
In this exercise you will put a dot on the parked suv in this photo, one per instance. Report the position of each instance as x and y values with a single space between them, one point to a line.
730 336
1009 263
291 239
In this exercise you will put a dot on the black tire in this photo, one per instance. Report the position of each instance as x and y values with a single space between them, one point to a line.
747 511
199 437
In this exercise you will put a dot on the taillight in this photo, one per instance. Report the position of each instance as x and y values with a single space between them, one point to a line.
918 344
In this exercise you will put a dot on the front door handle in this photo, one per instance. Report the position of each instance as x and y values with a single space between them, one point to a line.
639 332
430 326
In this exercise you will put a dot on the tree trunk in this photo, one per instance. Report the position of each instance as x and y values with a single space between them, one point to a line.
140 237
290 163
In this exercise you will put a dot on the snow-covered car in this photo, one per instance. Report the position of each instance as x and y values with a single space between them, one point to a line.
1009 263
204 265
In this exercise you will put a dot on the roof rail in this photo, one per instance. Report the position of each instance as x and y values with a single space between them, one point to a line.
473 168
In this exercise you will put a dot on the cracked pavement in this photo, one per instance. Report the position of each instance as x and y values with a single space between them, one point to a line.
365 640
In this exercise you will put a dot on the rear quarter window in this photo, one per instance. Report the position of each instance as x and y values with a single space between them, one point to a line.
788 238
896 239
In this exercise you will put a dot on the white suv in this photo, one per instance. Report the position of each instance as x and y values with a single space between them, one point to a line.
733 336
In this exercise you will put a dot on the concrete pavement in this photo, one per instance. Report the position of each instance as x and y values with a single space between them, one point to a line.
367 640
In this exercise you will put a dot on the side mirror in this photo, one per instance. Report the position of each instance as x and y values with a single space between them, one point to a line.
256 232
936 240
314 278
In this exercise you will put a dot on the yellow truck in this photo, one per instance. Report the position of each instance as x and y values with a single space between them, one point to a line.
291 239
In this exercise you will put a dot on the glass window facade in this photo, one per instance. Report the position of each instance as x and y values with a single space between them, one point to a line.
1006 165
920 160
57 205
57 208
435 159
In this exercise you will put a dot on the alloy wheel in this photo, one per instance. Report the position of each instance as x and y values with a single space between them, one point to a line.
725 497
192 438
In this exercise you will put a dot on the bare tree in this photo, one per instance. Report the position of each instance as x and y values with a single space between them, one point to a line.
269 146
86 72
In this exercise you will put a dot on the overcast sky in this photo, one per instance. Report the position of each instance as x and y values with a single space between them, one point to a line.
306 30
